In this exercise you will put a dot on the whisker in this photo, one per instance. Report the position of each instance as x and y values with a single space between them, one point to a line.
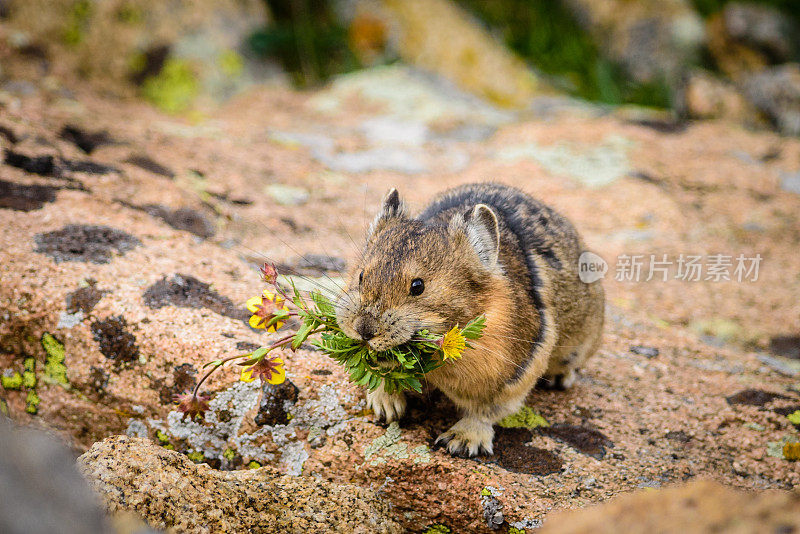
308 279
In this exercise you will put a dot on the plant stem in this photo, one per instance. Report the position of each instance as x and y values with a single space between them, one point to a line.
274 345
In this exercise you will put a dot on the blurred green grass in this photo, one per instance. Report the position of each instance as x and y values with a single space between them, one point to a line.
546 34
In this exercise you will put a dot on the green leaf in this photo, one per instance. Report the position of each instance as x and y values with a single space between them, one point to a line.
324 306
474 328
365 379
303 333
414 358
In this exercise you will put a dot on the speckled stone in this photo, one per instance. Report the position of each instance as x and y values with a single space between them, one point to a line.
170 491
700 506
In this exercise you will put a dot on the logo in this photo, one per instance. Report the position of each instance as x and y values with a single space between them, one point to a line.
591 267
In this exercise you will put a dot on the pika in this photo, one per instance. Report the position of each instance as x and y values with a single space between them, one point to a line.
476 249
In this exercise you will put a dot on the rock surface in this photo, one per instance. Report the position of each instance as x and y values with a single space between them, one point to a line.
175 52
170 491
40 489
90 364
708 97
653 40
698 507
438 36
775 91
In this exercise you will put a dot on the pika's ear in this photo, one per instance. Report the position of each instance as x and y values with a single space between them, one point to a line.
391 207
482 231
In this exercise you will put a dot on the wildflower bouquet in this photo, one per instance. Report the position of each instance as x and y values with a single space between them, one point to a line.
398 368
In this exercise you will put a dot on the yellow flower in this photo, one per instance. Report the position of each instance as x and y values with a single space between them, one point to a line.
269 369
452 344
264 309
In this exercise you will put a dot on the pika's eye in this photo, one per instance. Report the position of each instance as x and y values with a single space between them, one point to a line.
417 287
360 277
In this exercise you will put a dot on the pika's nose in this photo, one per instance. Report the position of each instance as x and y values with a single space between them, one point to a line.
365 327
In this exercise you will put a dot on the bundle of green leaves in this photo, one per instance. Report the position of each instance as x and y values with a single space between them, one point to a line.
397 369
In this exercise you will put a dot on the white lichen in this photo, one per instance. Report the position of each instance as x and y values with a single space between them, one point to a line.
222 427
136 429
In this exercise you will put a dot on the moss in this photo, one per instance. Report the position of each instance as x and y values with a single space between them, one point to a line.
32 402
437 528
524 418
162 437
11 380
29 364
3 407
174 88
229 454
77 21
169 447
55 372
196 456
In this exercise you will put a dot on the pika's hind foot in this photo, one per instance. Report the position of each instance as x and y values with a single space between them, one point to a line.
468 437
559 382
390 407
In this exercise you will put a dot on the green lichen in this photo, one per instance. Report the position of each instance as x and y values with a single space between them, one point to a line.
524 418
11 380
3 407
169 447
230 63
486 492
253 465
174 88
389 446
437 528
386 446
29 364
162 437
515 530
421 454
229 454
77 22
29 380
55 372
32 402
196 456
777 449
794 417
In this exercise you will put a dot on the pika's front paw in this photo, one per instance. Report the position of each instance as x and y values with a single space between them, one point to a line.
468 437
390 407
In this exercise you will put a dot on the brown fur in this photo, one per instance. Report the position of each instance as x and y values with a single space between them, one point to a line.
479 249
